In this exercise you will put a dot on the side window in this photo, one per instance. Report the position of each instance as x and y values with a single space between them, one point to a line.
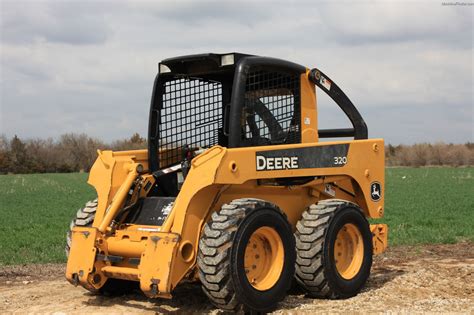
271 113
190 115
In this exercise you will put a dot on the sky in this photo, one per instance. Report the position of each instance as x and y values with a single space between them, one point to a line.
88 66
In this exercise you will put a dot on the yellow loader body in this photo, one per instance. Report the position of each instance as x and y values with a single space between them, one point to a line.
167 253
236 182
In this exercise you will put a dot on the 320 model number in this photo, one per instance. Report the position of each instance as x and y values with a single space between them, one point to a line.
340 160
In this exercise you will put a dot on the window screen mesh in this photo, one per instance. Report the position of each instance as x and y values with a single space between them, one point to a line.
272 108
191 115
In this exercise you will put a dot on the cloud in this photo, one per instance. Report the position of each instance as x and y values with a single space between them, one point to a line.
374 22
74 22
197 12
89 66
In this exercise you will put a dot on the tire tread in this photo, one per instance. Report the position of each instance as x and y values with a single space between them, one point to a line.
310 236
214 252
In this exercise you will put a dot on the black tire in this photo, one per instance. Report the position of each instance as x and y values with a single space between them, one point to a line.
221 255
316 235
85 217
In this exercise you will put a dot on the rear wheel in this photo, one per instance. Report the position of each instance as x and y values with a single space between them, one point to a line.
334 249
84 218
246 256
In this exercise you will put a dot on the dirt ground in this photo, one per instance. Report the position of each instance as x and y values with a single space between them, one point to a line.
406 279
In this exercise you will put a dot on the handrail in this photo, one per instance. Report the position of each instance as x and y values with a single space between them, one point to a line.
336 133
333 91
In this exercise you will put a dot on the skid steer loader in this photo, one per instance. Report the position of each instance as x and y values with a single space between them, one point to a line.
235 190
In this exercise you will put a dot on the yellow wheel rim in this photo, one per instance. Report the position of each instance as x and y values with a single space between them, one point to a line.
348 251
264 258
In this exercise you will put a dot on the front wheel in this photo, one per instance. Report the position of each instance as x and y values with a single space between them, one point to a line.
334 249
246 256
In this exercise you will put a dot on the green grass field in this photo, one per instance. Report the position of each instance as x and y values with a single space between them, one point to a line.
423 205
429 205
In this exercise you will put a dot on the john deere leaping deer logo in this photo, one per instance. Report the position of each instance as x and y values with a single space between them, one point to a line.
375 191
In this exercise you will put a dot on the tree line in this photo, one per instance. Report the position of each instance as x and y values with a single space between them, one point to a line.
77 152
69 153
426 154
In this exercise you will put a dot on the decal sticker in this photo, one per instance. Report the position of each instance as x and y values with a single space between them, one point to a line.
329 189
340 160
149 229
276 163
167 209
299 158
325 82
375 191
